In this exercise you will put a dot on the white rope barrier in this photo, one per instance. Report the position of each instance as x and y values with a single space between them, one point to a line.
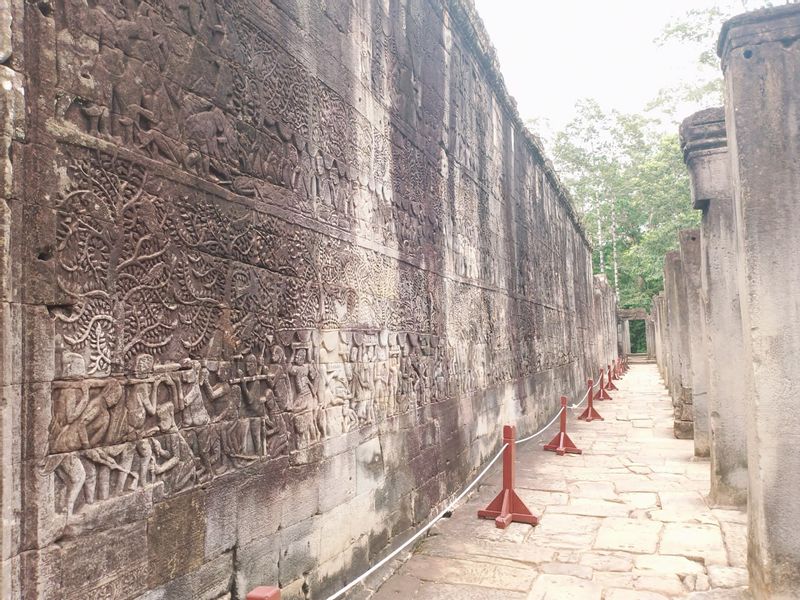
543 429
585 396
450 506
417 535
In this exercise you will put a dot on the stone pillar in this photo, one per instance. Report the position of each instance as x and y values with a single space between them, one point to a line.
650 332
626 337
659 318
760 55
677 331
670 323
696 338
706 154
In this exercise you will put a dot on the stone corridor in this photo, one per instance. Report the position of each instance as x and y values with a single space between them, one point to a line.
626 520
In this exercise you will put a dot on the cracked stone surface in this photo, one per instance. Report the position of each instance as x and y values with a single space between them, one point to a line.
626 520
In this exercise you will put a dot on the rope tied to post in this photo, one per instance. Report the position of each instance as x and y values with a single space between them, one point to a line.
509 442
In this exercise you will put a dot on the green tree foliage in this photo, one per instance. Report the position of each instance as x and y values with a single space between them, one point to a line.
632 189
699 29
627 176
638 336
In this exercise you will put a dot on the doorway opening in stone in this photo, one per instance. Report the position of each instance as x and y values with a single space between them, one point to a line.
638 336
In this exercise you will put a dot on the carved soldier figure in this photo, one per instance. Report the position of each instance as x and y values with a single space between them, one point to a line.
361 386
100 463
394 380
275 433
129 417
160 117
290 167
190 394
82 421
304 401
181 461
382 387
213 136
254 393
321 189
278 378
221 389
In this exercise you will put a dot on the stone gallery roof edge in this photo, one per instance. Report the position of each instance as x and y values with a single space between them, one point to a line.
465 16
703 130
768 24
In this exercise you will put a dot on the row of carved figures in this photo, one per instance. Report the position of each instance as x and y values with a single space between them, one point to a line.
185 423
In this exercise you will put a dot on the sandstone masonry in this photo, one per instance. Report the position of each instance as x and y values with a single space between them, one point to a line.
272 276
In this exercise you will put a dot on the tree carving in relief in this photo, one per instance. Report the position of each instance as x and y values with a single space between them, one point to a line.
133 290
114 265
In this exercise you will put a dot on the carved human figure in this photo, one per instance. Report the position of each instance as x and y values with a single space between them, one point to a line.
253 386
305 178
275 432
159 117
321 189
368 384
393 381
290 168
210 132
278 378
381 386
340 417
361 386
221 389
129 417
101 463
180 464
81 420
208 451
304 374
126 103
69 468
439 378
304 401
254 391
190 393
235 435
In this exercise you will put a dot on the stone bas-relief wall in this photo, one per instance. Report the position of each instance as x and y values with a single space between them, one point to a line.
281 271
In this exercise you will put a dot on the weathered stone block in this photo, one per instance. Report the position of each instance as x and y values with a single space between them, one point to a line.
39 575
222 509
259 505
175 537
257 563
684 430
369 466
111 564
211 581
300 548
337 480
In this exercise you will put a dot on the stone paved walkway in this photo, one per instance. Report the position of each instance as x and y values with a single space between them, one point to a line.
626 520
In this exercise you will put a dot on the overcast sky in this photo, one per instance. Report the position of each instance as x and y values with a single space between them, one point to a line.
555 52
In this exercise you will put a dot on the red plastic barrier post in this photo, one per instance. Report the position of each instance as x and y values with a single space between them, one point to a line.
615 373
602 394
264 592
561 443
609 383
590 414
507 507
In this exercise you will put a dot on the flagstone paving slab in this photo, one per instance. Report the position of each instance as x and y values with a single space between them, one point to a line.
626 520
